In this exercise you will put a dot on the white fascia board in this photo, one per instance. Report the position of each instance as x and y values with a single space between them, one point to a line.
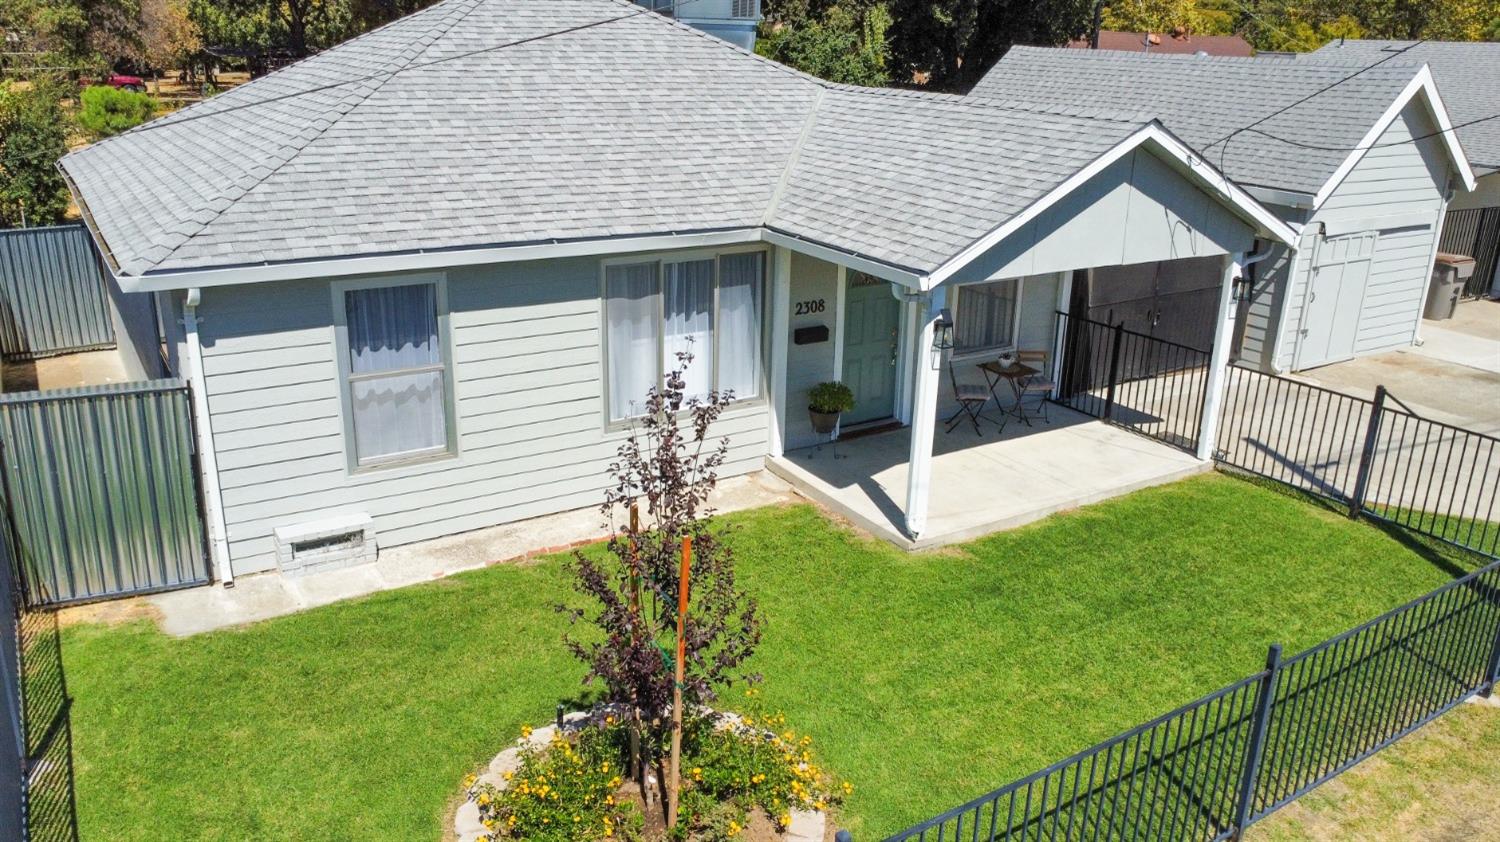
437 259
1157 136
885 271
1422 82
1284 198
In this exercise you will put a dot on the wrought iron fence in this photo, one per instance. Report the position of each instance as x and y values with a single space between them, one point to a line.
39 692
1149 385
1475 232
1210 769
1377 457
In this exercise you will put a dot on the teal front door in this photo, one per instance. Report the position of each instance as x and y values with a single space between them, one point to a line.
872 336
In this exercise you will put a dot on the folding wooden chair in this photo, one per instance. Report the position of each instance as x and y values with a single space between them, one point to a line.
1039 387
971 400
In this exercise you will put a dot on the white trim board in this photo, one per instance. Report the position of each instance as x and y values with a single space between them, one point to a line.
1422 82
1158 137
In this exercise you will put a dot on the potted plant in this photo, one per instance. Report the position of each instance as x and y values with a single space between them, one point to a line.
825 403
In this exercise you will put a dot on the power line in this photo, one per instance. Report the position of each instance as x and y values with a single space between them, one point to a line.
1453 128
1224 150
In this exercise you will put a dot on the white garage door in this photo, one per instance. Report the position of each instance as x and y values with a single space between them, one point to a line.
1335 294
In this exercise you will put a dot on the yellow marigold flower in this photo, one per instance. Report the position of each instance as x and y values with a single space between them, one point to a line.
785 819
848 787
489 824
609 720
525 731
734 828
806 740
483 799
469 781
509 775
604 767
511 821
697 772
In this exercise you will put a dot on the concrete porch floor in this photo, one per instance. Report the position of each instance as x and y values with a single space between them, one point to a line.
983 484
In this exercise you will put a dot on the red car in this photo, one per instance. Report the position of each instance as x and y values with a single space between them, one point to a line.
120 80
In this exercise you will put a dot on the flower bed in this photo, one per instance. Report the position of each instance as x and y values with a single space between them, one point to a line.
745 777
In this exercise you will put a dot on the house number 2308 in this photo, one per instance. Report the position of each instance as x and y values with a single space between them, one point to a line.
816 305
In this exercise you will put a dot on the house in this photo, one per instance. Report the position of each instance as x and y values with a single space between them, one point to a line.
1359 160
1469 75
411 305
733 20
1177 42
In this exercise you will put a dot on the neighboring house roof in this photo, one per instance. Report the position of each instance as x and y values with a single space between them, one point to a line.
1468 75
1168 42
1310 120
474 124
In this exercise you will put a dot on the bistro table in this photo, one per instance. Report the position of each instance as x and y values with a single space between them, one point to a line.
1018 374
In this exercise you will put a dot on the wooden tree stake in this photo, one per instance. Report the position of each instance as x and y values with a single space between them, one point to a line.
675 778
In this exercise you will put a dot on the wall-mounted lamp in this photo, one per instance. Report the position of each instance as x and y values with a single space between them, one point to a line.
942 333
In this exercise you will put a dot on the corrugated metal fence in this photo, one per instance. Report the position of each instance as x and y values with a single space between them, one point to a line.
102 484
52 298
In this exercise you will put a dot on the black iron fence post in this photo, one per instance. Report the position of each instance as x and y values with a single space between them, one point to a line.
1492 674
1367 455
1263 703
1114 369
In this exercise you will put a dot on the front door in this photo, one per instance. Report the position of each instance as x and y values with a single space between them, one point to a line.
872 337
1335 298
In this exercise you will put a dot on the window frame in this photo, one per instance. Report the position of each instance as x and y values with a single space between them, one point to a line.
658 260
439 282
1015 326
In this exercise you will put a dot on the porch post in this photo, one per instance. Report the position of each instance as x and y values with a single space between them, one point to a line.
1218 360
781 298
928 364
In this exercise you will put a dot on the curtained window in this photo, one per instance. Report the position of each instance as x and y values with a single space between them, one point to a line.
398 406
984 317
711 307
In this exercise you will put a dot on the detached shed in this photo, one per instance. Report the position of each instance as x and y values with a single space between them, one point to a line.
1360 160
1468 73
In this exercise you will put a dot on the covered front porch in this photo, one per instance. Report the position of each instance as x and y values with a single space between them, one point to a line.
985 327
982 484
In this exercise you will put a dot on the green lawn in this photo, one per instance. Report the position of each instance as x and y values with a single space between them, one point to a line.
926 678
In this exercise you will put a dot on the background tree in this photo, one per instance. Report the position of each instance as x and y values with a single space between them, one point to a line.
33 136
169 36
951 43
841 42
667 466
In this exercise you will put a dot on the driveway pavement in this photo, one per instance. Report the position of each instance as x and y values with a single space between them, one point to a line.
1454 376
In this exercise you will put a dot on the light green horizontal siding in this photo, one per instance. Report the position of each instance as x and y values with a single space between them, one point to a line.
528 397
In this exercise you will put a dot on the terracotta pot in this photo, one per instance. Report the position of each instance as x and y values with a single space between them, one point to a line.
823 423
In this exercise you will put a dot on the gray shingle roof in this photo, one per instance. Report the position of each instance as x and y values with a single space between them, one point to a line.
421 135
1468 79
1204 99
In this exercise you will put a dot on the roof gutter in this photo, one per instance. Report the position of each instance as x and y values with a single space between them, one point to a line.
421 259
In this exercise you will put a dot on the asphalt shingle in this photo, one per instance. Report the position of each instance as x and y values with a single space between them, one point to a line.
1204 99
1468 79
452 129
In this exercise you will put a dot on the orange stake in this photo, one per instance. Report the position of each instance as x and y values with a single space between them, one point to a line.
675 783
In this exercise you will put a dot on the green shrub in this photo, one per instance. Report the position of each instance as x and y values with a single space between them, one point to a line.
106 111
33 135
830 397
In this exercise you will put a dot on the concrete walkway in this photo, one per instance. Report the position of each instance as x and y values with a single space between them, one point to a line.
261 596
1453 377
983 484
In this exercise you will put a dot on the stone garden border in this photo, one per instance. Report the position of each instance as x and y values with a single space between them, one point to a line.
806 826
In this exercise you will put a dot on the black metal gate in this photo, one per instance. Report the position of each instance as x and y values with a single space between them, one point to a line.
102 486
1148 385
1475 232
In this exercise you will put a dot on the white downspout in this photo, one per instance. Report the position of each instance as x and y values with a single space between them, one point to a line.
208 460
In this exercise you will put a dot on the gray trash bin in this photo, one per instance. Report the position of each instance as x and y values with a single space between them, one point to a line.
1448 275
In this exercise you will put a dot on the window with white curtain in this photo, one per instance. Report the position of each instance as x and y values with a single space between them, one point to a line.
397 398
709 306
985 316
